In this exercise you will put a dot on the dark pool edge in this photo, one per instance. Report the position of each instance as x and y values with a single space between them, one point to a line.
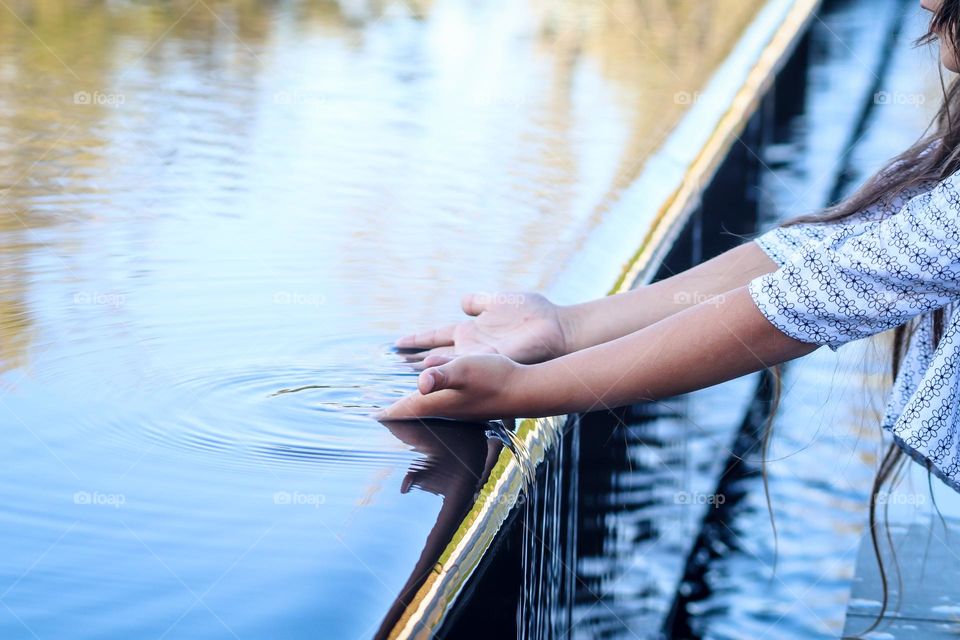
502 492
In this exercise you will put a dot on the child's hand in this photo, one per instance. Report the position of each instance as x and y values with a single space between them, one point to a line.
480 387
525 327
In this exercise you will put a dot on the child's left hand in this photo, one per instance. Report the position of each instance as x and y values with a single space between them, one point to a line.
479 387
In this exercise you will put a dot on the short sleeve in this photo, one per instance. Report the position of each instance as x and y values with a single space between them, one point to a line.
858 282
780 243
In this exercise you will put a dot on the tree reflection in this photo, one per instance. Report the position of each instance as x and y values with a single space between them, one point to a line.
61 162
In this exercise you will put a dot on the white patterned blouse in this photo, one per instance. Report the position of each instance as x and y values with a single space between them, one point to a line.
891 264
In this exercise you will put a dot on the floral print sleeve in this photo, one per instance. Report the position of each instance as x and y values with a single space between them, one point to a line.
863 279
781 243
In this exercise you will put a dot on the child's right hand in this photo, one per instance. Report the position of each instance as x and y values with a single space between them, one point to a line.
525 327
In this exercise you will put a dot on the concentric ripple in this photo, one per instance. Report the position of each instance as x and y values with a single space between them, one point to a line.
269 414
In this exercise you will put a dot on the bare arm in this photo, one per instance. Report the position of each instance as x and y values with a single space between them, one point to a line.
699 347
696 348
529 328
605 319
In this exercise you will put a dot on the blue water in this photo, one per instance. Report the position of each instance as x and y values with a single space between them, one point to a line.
207 206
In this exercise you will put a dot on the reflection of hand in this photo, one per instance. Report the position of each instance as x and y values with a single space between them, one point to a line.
459 458
455 456
525 327
483 387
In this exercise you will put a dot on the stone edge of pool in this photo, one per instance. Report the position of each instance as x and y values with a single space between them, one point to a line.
501 492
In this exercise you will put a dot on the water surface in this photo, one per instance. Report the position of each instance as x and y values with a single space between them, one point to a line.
215 218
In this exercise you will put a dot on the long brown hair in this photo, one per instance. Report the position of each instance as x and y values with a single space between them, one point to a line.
933 158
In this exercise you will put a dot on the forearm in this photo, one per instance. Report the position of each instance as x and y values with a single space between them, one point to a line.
696 348
599 321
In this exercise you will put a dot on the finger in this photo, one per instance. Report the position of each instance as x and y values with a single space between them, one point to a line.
412 407
442 337
473 304
437 360
402 409
446 376
420 356
407 482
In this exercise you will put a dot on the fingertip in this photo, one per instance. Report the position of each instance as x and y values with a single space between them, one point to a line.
433 379
427 381
467 304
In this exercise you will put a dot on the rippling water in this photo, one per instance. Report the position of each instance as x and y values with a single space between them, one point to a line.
215 218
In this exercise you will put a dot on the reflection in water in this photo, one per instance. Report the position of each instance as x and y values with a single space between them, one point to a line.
458 461
207 203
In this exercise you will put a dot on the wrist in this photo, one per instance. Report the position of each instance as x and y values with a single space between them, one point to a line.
570 318
538 390
520 394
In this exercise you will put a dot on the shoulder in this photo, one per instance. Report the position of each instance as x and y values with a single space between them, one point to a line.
936 194
945 193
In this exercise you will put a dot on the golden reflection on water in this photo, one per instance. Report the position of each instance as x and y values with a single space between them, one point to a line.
649 49
91 125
